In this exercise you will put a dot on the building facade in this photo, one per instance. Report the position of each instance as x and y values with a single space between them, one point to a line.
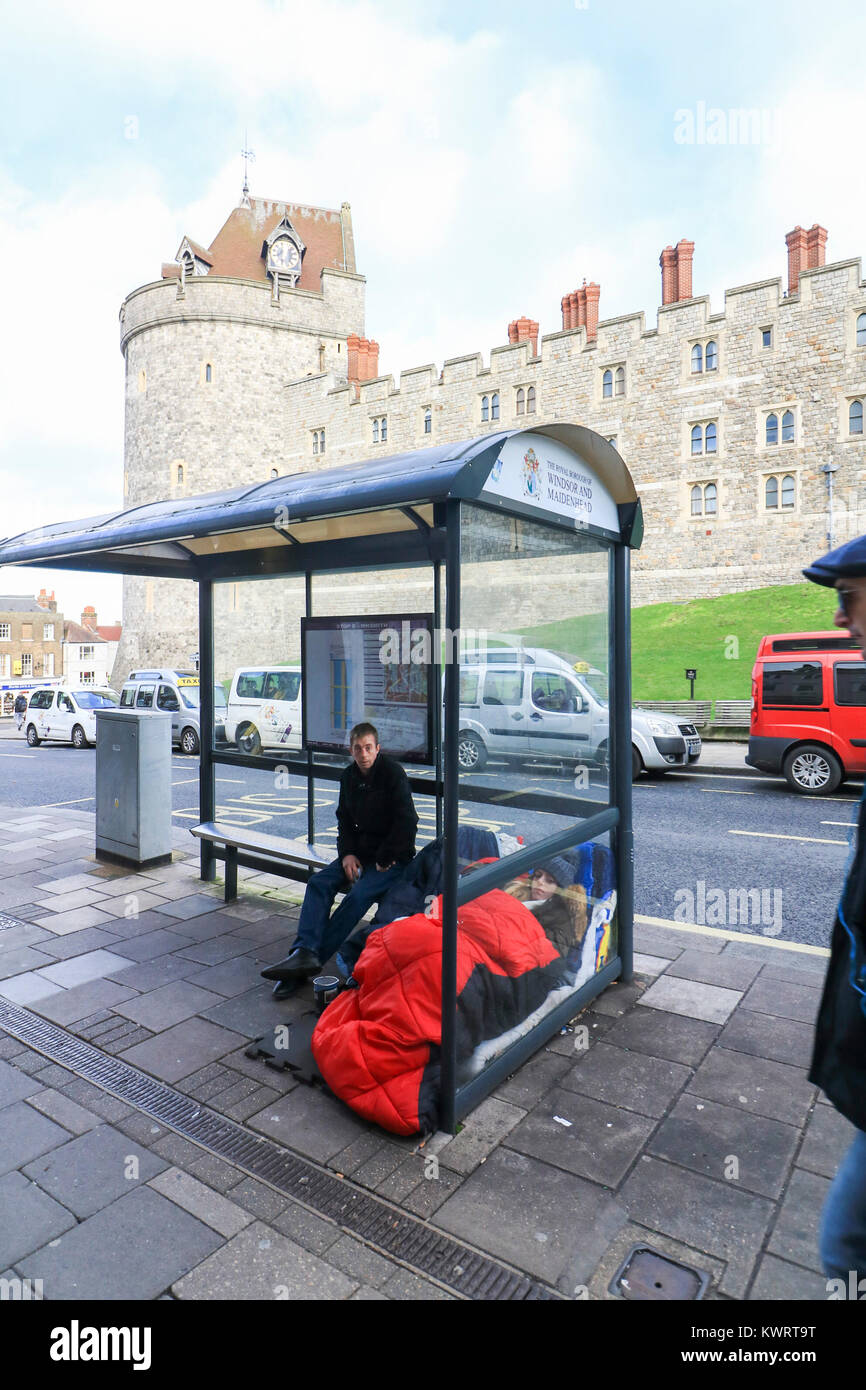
743 429
31 637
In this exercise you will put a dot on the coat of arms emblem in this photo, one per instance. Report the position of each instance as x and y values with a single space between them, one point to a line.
531 473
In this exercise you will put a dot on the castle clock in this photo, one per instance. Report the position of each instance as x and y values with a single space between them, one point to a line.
283 253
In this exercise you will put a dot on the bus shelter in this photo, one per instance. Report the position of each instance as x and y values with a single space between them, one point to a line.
471 600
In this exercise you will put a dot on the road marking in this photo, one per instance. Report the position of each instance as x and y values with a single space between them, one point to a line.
725 791
239 780
849 823
801 946
185 782
19 755
769 835
46 805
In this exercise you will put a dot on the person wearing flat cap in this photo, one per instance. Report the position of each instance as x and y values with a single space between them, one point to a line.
839 1053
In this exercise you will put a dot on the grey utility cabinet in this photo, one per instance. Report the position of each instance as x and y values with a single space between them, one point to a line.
133 786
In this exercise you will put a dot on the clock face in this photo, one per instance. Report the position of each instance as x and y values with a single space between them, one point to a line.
284 254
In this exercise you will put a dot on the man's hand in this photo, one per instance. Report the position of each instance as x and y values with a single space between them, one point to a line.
382 868
351 867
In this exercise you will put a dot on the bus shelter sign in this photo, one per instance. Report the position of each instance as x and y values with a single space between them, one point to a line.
542 473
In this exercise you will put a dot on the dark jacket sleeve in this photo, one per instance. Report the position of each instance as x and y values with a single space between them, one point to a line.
398 846
347 838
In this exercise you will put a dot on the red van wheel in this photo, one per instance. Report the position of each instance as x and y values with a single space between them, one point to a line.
813 770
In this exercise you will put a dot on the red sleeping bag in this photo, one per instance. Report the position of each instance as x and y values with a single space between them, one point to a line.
378 1046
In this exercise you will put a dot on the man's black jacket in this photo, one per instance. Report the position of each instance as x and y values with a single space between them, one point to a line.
376 819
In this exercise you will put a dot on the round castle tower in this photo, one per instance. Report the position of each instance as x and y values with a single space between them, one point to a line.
210 349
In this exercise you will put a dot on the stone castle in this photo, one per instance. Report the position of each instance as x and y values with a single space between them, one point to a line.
743 430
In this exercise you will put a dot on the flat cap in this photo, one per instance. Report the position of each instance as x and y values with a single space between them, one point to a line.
847 561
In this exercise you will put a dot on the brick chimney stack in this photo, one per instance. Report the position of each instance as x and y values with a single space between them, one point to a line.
46 601
88 618
580 309
363 358
806 251
524 330
676 264
668 263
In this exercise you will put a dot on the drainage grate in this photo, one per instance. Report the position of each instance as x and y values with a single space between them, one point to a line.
458 1267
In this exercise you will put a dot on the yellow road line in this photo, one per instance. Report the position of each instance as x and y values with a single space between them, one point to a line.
800 946
46 806
770 835
725 791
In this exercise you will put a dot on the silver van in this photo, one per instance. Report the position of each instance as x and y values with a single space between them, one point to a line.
178 693
264 708
532 703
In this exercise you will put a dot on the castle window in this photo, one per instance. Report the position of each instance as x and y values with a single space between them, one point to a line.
855 417
861 330
142 381
766 337
485 408
321 441
772 434
783 486
619 382
375 431
494 406
274 473
428 421
697 440
704 439
771 492
318 441
521 401
788 491
206 373
530 401
697 358
711 357
384 428
710 438
704 499
607 384
612 441
180 475
788 427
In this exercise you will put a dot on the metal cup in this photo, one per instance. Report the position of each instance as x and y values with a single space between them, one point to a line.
325 990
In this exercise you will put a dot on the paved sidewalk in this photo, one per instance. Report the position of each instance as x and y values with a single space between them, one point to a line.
675 1113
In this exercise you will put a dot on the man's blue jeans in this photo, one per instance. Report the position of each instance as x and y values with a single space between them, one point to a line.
322 936
843 1223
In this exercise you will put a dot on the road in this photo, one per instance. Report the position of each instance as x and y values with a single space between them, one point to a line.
735 851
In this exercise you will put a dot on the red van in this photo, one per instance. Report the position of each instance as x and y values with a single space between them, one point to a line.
809 709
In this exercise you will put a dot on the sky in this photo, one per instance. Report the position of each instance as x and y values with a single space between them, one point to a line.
494 154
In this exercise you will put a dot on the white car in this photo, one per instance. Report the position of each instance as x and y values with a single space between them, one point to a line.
66 715
264 708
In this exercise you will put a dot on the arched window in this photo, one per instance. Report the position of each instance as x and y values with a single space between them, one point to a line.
375 431
521 401
274 473
855 417
180 475
494 406
607 384
697 501
142 380
208 373
861 330
712 356
710 496
711 438
619 382
428 421
485 407
697 358
384 430
771 492
772 429
612 440
697 440
787 491
530 401
788 427
315 441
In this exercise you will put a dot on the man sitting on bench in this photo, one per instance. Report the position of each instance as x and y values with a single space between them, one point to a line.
376 824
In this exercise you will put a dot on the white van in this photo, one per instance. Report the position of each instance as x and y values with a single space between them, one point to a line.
264 708
177 693
66 715
532 703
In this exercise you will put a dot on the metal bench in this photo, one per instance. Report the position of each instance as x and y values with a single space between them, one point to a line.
284 856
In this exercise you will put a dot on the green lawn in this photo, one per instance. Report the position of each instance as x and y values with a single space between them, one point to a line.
718 636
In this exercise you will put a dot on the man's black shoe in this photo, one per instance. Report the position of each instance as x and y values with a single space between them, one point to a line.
284 989
300 961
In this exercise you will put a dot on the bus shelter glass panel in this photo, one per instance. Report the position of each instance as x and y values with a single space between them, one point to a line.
257 665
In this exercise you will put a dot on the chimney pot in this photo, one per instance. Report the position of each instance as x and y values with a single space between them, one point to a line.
796 242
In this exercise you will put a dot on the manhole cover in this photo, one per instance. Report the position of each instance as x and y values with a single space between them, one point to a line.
648 1276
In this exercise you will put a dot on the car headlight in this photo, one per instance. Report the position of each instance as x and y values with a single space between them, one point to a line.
662 726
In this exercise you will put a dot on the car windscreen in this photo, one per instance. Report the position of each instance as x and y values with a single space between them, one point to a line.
596 682
95 699
191 696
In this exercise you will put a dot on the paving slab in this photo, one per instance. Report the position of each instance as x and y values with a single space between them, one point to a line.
230 978
796 1232
827 1140
676 938
660 1034
133 1249
181 1049
148 975
30 1218
216 1211
712 1003
729 971
482 1131
309 1230
130 905
649 965
21 960
583 1136
548 1222
15 1084
194 905
27 988
763 1087
254 1013
214 951
25 1134
68 1005
628 1079
205 927
310 1122
707 1215
92 965
706 1137
784 1000
404 1286
150 944
530 1082
64 1111
93 1170
66 902
787 1283
777 1039
259 1264
169 1004
26 934
79 917
77 943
